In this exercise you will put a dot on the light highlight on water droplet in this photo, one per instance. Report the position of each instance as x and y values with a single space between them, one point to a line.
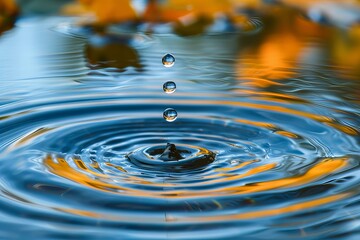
168 60
169 87
170 114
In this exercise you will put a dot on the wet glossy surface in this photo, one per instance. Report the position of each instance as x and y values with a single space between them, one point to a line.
169 87
168 60
282 132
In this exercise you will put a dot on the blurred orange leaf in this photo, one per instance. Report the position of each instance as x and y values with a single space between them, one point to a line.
106 11
8 12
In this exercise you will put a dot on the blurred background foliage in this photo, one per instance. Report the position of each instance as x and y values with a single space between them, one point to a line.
8 13
286 26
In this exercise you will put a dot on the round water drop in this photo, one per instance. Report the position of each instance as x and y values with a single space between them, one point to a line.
168 60
170 114
169 87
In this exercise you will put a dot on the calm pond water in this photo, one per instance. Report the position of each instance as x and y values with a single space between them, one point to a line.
267 129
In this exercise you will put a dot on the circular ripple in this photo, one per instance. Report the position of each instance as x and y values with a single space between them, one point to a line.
102 156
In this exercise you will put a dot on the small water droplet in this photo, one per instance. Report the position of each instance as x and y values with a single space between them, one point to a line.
169 87
170 114
168 60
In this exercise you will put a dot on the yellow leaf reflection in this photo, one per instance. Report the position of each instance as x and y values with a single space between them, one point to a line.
198 7
109 11
8 12
268 212
89 178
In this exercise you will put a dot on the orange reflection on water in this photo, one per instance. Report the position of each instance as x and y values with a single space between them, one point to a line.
111 11
198 7
79 212
276 53
94 180
287 134
324 167
268 212
232 177
273 56
345 49
29 137
346 129
255 123
273 96
239 166
317 172
8 12
323 119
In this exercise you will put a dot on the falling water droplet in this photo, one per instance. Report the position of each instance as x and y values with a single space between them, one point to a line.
169 87
168 60
170 114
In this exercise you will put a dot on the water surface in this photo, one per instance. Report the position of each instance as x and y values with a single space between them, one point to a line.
277 109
